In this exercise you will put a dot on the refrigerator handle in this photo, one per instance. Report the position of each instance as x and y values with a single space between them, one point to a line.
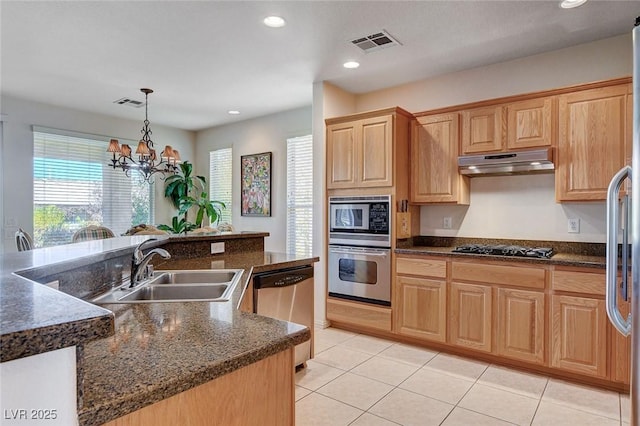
613 217
626 216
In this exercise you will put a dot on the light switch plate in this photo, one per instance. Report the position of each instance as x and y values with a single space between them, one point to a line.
573 226
217 248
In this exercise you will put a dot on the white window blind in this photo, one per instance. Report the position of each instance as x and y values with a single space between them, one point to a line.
300 195
74 187
220 180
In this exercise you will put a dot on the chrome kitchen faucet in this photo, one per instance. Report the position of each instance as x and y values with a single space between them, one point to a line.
139 261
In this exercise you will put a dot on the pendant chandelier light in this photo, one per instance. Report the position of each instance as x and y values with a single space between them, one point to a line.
148 163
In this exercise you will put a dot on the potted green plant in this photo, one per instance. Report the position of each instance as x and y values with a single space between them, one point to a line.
179 189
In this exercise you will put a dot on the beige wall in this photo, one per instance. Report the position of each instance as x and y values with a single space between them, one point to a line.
513 206
17 153
262 134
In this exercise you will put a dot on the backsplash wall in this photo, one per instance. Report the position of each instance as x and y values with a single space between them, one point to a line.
516 207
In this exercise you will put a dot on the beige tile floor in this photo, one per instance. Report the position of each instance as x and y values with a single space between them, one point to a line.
365 381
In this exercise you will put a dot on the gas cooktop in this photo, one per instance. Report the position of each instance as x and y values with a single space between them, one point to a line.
506 250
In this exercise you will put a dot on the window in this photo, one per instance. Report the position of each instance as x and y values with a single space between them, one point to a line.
73 186
220 180
300 195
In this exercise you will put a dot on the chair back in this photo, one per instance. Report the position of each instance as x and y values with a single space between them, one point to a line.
24 241
92 232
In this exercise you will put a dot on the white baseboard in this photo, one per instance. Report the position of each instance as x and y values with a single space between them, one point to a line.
321 323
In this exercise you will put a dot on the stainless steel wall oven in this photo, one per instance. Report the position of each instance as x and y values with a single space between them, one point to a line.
360 248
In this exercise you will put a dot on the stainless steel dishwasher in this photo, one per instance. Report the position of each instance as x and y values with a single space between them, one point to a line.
287 294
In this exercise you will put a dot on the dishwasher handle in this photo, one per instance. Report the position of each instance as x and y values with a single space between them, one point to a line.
282 278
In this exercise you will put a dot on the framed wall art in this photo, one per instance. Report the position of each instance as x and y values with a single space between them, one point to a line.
255 187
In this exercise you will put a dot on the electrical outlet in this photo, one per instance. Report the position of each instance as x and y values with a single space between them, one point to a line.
573 226
217 248
446 223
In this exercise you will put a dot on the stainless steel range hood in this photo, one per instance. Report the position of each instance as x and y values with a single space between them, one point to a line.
507 163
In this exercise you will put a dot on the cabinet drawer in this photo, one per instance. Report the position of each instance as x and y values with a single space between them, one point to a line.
359 314
423 267
579 282
519 276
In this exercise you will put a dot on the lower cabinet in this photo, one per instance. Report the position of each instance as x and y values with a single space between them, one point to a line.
579 335
359 314
470 318
262 393
621 350
422 308
549 317
520 325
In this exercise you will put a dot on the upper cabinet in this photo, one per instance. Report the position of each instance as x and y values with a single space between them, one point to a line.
592 141
361 148
508 126
434 161
482 130
530 123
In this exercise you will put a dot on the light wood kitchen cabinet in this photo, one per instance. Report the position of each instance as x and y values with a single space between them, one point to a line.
260 393
421 298
620 350
579 335
591 145
482 130
360 154
470 308
422 308
530 123
434 161
520 325
361 148
359 314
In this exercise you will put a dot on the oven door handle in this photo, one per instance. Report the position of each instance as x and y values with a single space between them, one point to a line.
359 251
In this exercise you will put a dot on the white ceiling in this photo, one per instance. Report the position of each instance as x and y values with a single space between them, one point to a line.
203 58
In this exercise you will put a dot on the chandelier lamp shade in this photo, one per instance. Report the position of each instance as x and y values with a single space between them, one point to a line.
146 161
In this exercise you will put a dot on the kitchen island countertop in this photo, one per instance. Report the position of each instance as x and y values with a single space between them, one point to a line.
130 356
161 349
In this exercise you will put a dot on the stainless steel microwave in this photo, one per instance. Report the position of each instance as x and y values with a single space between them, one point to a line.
360 220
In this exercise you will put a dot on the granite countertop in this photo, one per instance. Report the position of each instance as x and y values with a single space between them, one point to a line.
36 319
564 259
161 349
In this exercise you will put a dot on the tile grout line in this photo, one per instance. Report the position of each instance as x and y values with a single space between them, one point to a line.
379 356
539 402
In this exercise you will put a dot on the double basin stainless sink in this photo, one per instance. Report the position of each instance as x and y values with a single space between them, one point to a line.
177 286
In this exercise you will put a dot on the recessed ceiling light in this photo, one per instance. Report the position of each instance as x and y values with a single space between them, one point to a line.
274 22
351 64
570 4
233 112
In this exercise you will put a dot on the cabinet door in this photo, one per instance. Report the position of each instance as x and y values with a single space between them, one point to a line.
375 154
578 334
434 161
591 144
470 307
529 123
621 350
341 155
422 308
521 325
482 130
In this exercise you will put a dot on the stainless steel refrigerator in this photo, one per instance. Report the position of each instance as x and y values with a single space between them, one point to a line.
623 216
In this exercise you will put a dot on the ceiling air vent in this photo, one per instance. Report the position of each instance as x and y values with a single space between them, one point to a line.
130 102
376 41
